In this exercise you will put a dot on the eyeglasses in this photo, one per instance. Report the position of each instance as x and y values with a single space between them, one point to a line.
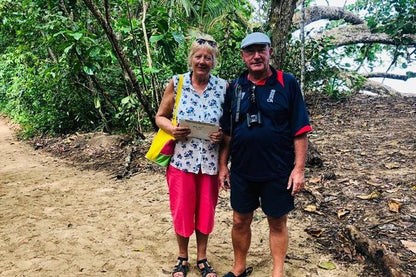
201 41
252 51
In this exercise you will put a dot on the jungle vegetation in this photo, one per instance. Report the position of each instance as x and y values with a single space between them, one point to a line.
97 65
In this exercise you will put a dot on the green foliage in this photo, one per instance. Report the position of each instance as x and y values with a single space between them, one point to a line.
59 72
35 91
39 99
127 113
393 17
324 70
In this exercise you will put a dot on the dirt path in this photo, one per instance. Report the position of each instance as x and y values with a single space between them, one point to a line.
58 220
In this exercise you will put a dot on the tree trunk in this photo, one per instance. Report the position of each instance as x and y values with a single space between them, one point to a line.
280 19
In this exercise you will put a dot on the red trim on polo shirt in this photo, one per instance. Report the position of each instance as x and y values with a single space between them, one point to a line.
259 83
303 130
279 78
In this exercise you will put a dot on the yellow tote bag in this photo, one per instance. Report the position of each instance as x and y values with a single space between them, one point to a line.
163 144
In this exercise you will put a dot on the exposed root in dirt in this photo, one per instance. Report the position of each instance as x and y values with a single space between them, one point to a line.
387 261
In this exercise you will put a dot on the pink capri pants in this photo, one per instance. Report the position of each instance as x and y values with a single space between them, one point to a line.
193 198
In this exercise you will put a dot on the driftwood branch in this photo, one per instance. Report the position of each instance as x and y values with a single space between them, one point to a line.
387 75
386 260
353 34
356 32
371 86
316 13
379 88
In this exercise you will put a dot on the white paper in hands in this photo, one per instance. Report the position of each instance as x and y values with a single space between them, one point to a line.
200 130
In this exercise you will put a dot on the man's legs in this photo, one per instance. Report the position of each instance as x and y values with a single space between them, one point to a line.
241 238
279 241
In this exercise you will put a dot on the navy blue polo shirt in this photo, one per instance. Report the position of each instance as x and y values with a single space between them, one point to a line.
265 152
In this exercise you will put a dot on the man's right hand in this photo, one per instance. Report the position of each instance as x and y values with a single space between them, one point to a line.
224 178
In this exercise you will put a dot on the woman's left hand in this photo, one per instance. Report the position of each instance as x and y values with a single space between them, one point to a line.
216 137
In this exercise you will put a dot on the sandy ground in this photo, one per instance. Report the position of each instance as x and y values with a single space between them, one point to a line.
58 220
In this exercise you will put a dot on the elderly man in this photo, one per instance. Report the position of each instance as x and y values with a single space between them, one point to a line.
265 125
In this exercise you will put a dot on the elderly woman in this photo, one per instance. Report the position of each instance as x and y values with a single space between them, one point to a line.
192 174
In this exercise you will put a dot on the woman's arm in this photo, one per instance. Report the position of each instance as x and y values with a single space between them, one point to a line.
164 115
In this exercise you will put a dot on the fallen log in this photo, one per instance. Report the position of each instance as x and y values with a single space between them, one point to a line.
377 253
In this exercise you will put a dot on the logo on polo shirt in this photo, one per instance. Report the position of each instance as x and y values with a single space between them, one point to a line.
271 96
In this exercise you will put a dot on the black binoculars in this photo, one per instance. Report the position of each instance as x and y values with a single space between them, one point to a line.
254 119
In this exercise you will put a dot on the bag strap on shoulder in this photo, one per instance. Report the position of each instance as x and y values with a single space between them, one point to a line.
178 97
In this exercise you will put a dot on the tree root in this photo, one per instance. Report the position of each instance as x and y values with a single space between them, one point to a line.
127 164
386 260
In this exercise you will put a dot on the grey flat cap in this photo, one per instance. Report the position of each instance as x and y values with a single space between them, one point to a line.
255 38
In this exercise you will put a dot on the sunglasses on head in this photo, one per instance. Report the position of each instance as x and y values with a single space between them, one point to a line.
202 41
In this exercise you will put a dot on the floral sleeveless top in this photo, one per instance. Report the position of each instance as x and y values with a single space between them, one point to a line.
194 154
